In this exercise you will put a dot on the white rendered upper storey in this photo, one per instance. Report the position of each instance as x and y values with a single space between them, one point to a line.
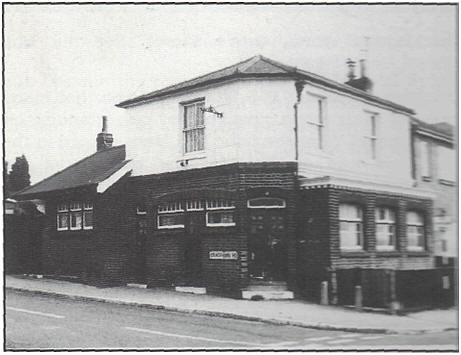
260 110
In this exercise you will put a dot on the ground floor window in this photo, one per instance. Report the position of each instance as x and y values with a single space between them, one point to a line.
385 228
170 215
74 215
415 231
350 227
218 213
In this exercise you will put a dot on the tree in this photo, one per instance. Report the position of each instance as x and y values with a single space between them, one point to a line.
18 178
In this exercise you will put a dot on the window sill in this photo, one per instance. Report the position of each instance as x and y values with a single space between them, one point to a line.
221 225
418 253
192 156
426 178
373 162
388 253
446 182
354 253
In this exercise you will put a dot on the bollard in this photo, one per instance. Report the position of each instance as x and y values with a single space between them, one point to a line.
358 297
324 293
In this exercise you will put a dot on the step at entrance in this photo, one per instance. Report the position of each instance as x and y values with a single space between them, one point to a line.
268 290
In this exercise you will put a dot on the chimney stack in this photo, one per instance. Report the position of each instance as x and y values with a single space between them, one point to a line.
363 83
351 64
104 140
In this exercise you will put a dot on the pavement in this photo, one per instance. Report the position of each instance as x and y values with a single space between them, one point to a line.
289 312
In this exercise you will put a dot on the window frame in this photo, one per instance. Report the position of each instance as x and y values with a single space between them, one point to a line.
319 123
422 225
228 206
284 204
372 138
390 220
195 103
352 221
74 208
87 208
177 210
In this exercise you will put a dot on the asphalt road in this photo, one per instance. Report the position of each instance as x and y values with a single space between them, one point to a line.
42 322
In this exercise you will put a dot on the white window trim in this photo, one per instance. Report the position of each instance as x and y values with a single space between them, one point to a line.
194 153
219 208
219 224
195 209
70 221
83 220
386 222
354 220
174 226
75 209
181 209
57 222
421 225
372 138
140 212
267 206
321 120
87 208
66 208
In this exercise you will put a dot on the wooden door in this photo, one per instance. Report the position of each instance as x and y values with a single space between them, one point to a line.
267 245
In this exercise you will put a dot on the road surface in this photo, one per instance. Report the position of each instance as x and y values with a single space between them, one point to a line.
43 322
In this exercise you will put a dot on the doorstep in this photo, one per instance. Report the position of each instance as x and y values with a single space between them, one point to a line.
191 289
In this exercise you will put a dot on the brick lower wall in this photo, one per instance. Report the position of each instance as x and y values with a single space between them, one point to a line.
166 249
319 254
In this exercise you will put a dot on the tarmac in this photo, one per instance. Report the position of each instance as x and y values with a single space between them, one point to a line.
284 312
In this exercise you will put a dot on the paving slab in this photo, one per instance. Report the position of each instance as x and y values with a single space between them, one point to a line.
292 312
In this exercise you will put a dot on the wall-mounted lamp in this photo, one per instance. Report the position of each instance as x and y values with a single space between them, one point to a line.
212 110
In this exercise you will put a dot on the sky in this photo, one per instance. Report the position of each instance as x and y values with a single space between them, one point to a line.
68 65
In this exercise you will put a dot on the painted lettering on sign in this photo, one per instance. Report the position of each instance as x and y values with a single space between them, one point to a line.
223 255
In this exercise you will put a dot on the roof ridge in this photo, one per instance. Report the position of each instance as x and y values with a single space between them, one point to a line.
195 78
285 67
67 167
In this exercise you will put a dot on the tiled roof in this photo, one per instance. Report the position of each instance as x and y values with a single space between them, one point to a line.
90 170
259 66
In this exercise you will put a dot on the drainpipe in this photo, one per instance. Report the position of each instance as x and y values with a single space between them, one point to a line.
299 85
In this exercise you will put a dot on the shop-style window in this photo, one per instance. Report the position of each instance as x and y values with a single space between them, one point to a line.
194 127
385 229
75 215
415 231
220 213
170 215
350 227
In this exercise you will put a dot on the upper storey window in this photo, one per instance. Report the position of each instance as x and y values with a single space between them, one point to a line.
425 156
372 136
315 119
194 127
446 164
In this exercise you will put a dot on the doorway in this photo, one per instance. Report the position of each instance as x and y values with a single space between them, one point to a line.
267 250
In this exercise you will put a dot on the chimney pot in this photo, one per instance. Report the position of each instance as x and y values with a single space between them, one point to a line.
104 124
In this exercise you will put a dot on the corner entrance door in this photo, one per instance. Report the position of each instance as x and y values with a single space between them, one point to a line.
267 244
